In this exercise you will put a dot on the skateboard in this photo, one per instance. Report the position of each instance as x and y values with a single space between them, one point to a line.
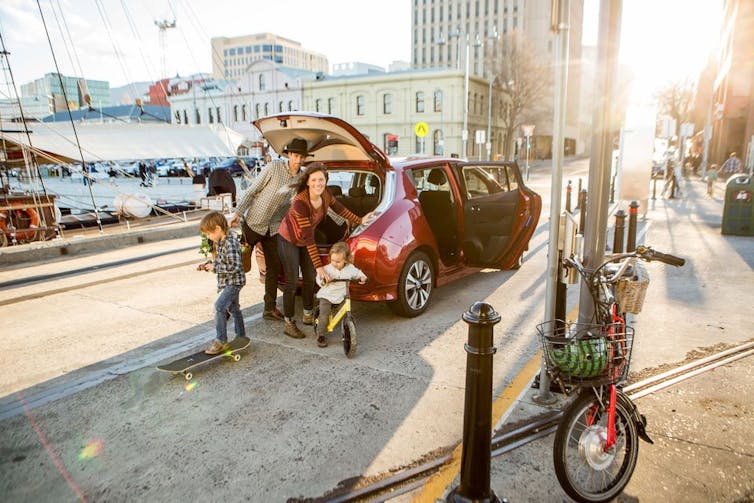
187 364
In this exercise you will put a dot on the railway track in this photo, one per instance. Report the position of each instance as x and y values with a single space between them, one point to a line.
414 477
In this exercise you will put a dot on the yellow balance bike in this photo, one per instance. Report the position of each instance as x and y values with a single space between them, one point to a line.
341 313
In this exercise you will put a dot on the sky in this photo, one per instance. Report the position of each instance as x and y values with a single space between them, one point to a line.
661 40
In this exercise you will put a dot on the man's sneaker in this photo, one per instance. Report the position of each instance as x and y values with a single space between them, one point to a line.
322 341
216 347
308 319
274 315
291 330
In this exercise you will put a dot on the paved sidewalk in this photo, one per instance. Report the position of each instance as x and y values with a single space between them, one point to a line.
704 427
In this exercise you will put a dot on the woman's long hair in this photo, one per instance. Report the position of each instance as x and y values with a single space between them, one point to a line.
310 169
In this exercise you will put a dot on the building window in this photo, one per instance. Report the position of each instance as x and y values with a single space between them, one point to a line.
360 105
438 101
420 102
197 116
290 105
185 117
438 142
317 104
267 109
262 83
387 104
235 113
219 118
330 105
256 110
243 112
280 106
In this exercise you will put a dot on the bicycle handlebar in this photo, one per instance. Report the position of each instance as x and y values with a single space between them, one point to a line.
649 254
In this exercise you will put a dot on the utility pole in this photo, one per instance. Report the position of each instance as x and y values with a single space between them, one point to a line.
163 27
602 145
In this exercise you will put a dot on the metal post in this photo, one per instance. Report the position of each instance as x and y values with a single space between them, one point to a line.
489 120
578 196
654 188
582 211
604 128
477 413
558 132
568 197
465 132
633 214
620 230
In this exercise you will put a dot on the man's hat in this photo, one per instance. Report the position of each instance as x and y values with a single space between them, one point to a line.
297 146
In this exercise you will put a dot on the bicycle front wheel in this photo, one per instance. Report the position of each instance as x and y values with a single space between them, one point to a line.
585 469
349 337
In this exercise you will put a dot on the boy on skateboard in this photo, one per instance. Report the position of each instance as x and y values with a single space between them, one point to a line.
228 266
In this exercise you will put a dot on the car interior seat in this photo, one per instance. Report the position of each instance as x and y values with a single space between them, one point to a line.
355 200
438 210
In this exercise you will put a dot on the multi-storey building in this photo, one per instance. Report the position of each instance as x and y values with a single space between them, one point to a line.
732 101
73 88
232 55
443 28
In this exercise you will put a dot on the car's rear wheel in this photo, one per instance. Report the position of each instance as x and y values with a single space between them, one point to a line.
414 286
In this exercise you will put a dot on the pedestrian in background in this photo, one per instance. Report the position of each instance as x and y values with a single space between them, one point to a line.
262 207
297 246
228 266
711 178
731 166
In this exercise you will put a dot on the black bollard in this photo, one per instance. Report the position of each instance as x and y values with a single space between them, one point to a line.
633 213
578 196
582 210
620 228
568 197
612 190
476 449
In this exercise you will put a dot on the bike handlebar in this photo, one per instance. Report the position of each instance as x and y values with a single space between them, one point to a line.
649 254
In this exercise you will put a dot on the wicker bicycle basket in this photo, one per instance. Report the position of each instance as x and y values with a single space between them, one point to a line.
585 354
630 290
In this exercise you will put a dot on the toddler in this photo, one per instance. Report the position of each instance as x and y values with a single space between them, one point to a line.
228 266
332 293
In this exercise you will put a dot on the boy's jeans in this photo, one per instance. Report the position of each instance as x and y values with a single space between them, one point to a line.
227 302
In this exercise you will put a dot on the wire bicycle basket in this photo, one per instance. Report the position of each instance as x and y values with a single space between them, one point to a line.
586 354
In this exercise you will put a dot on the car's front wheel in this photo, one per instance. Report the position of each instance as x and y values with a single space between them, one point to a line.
414 286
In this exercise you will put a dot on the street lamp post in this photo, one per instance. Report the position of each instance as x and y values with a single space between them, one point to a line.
465 131
494 36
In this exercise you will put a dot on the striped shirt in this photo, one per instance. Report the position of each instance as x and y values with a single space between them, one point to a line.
266 201
298 225
228 264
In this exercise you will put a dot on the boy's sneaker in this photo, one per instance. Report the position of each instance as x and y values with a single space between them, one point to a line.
216 347
291 330
274 315
308 319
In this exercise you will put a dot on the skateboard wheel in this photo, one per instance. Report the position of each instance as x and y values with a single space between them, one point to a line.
236 357
188 376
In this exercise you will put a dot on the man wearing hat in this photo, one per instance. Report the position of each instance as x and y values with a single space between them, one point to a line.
731 166
262 208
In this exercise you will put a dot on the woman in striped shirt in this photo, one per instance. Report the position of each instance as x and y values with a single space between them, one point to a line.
297 247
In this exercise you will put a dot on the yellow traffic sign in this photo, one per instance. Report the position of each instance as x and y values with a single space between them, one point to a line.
421 129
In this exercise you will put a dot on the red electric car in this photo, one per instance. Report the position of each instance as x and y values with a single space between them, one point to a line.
439 218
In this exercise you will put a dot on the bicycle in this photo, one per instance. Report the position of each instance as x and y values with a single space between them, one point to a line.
596 445
341 314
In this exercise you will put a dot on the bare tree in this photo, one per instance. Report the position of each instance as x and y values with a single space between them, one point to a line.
676 100
524 79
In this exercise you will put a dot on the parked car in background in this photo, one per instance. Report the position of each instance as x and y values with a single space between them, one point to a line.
438 218
232 164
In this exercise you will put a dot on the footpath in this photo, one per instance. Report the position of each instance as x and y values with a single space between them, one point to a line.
703 427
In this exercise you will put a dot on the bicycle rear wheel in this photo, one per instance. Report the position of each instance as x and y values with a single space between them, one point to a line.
586 471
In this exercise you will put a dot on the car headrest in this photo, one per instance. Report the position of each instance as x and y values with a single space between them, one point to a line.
335 190
436 177
357 192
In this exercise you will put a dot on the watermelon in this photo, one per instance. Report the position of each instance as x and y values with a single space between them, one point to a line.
581 358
